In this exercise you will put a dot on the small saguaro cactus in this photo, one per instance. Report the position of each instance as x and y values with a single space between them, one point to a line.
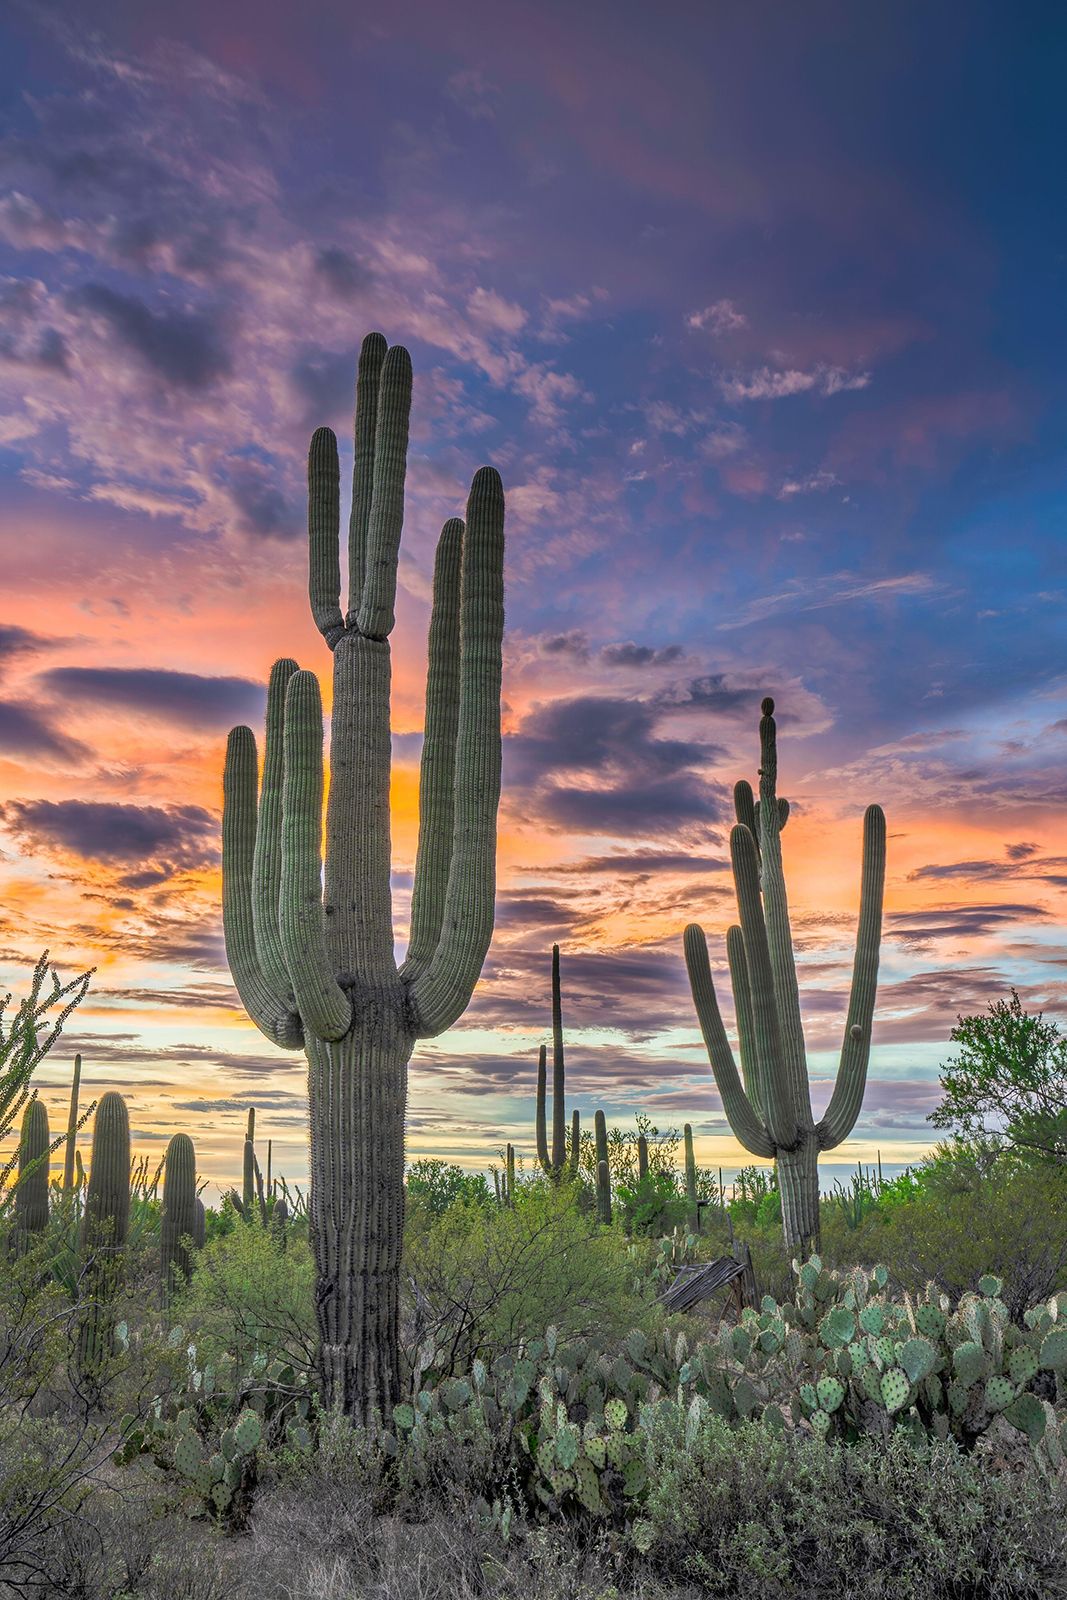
104 1227
556 1159
312 960
179 1222
691 1192
603 1171
72 1127
31 1195
642 1157
771 1113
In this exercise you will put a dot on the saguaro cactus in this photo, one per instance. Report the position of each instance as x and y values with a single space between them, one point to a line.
31 1195
771 1113
104 1228
317 969
179 1221
691 1191
72 1127
554 1160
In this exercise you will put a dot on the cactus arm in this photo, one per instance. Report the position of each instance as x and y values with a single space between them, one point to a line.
324 519
540 1117
746 1035
386 520
559 1127
746 809
774 1088
72 1127
324 1007
741 1115
267 860
267 1011
845 1102
779 936
368 378
442 993
437 770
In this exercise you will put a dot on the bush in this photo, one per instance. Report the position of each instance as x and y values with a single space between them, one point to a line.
436 1185
484 1279
249 1296
960 1216
734 1508
652 1206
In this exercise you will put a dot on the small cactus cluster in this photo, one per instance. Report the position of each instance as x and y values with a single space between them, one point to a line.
566 1414
504 1182
219 1467
852 1362
556 1159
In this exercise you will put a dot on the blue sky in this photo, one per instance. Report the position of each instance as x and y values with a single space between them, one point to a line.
760 313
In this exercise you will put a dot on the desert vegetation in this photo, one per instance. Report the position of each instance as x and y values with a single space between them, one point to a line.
592 1369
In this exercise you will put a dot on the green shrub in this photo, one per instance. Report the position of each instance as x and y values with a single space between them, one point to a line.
434 1186
248 1297
961 1216
486 1278
744 1510
652 1206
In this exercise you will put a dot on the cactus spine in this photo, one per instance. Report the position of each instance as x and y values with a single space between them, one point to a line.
771 1112
105 1225
317 970
691 1193
554 1160
179 1221
72 1127
31 1195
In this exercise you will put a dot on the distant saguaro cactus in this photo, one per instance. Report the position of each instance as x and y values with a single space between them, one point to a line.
556 1159
31 1196
317 969
771 1115
179 1221
72 1127
692 1194
104 1227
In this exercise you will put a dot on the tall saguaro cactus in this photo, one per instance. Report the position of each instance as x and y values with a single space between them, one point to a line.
314 962
555 1159
771 1112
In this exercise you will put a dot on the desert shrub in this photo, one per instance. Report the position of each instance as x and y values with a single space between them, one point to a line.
746 1510
433 1186
250 1297
484 1279
652 1206
964 1216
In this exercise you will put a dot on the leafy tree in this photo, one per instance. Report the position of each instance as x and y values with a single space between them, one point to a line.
1007 1088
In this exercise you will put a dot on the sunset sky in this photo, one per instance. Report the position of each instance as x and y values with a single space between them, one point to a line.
760 312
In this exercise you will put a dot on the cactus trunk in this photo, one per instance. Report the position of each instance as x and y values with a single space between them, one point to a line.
31 1196
72 1127
798 1184
691 1193
104 1228
179 1220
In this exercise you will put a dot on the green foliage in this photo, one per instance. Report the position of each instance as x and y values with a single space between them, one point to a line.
1008 1085
436 1185
751 1511
251 1299
653 1206
961 1214
489 1278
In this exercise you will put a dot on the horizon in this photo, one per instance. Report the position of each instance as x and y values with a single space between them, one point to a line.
772 377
